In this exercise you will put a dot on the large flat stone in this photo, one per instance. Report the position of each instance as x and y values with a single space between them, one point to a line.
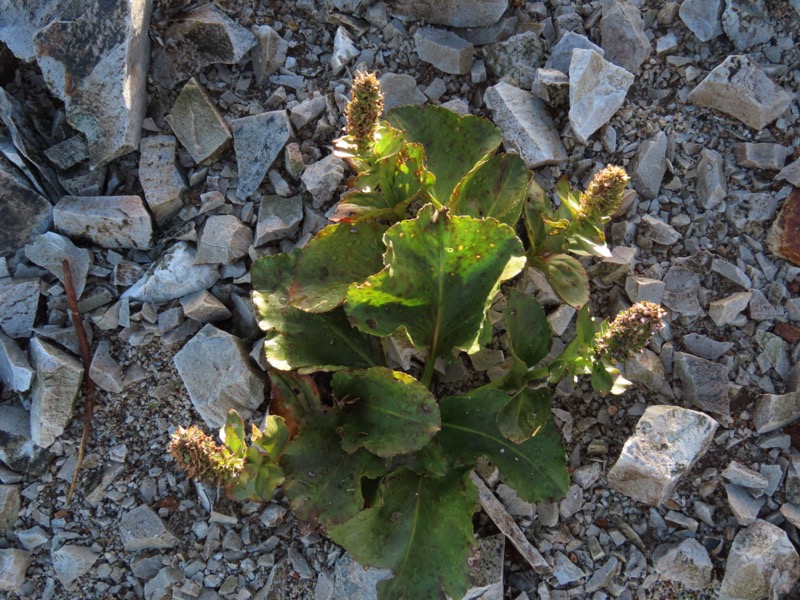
198 125
453 13
96 61
71 562
49 251
215 368
108 221
668 440
162 182
19 299
258 140
25 214
15 371
172 276
741 89
597 89
13 568
58 380
444 50
705 384
526 125
21 20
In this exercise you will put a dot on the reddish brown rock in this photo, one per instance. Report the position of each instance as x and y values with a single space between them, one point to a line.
784 238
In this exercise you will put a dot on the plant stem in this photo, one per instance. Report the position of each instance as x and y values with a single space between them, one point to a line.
427 374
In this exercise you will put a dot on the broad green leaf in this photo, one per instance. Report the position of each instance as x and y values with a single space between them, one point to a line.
234 433
496 188
322 480
587 246
525 414
568 279
528 329
337 256
535 210
601 379
385 411
261 474
301 340
428 461
422 532
585 326
453 144
536 469
294 397
441 273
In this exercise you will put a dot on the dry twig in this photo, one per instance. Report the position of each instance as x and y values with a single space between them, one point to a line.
83 342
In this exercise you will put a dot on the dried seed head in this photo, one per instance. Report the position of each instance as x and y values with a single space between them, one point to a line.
630 332
604 194
365 108
202 458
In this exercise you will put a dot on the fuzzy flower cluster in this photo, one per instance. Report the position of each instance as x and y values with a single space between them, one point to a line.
202 458
364 109
629 333
604 194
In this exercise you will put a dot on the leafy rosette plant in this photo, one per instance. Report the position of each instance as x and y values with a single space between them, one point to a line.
418 251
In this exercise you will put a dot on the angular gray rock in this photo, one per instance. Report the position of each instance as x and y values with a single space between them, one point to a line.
731 272
641 289
711 185
444 50
702 17
19 299
162 182
565 571
622 35
551 86
224 240
527 128
681 286
561 54
762 563
25 214
203 307
217 372
106 372
658 232
743 505
748 211
400 89
724 311
742 476
746 23
774 411
278 218
518 57
741 89
791 173
58 380
13 568
270 54
668 440
21 20
705 347
108 221
351 580
705 384
9 506
17 450
198 125
649 166
322 178
763 155
49 251
15 371
71 562
142 529
172 276
453 13
204 37
686 563
307 111
94 55
258 140
597 89
344 51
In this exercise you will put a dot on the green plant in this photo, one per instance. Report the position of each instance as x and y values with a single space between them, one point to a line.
419 249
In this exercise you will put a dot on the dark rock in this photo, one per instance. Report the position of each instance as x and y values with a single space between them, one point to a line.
25 214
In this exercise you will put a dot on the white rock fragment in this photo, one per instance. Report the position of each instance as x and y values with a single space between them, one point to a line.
49 251
762 563
142 529
444 50
344 51
162 182
705 384
15 371
741 89
270 54
702 17
70 562
20 300
597 89
399 90
198 125
106 372
668 440
527 128
224 240
623 36
761 155
58 380
322 178
172 276
649 166
203 307
711 185
686 563
258 140
658 231
561 54
642 289
278 218
791 173
774 411
217 372
108 221
725 310
13 568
